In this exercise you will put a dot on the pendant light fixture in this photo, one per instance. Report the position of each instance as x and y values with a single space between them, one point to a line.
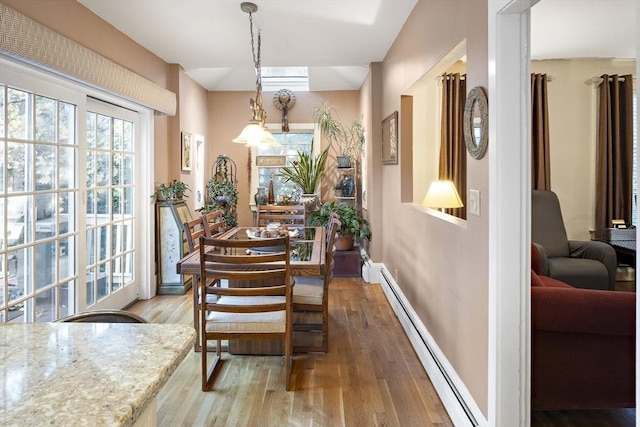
255 133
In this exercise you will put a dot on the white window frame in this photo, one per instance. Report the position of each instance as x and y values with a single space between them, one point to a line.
36 80
277 128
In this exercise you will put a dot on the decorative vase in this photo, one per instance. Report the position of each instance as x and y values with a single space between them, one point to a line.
347 185
271 198
260 197
344 161
344 242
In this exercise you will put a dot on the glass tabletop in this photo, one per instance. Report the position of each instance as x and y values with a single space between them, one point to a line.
301 241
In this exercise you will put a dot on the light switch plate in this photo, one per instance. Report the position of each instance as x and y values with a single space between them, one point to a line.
474 202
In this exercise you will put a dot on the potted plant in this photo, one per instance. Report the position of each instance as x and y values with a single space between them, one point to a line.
175 190
222 191
353 224
349 139
223 195
306 171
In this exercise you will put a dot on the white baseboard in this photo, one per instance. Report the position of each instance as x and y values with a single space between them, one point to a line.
454 395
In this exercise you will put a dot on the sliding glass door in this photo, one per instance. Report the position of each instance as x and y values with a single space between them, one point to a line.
67 201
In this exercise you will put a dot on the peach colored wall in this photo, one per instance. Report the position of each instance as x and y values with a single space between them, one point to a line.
229 112
441 267
193 118
371 101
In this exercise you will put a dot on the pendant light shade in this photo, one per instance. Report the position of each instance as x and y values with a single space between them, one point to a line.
252 134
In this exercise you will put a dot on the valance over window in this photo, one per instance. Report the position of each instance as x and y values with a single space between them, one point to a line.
26 40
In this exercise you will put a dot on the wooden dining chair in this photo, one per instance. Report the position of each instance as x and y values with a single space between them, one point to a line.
284 214
257 303
193 230
214 223
311 301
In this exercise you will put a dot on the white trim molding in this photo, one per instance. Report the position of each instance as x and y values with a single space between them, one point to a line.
454 395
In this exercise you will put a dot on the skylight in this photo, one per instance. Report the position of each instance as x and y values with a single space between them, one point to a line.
293 78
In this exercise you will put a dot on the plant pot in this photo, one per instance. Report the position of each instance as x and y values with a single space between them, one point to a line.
311 202
344 242
344 161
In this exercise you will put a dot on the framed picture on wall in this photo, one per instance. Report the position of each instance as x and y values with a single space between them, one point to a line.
186 151
390 139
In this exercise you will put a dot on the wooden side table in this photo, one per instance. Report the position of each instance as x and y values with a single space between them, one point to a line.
347 263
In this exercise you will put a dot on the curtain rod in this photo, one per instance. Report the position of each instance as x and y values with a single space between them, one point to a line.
550 78
462 77
598 80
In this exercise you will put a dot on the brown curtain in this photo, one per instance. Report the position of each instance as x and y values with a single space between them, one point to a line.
614 164
453 151
540 169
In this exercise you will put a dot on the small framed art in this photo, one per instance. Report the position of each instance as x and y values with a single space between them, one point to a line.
186 151
390 139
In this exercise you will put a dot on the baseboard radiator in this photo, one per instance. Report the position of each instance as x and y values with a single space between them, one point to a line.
454 395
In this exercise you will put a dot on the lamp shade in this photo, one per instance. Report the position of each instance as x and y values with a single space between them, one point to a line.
442 194
252 134
255 134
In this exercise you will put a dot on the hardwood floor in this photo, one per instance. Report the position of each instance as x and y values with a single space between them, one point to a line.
370 377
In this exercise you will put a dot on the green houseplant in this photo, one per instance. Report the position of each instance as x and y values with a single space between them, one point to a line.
349 139
307 171
175 190
222 191
223 195
353 224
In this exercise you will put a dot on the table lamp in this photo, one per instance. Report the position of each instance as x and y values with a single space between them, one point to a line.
442 194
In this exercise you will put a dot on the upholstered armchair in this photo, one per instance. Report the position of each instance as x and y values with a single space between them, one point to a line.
582 345
583 264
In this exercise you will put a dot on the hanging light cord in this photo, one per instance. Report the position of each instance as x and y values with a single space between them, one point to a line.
258 111
256 58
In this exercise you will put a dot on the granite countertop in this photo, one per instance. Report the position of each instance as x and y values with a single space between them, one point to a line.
89 374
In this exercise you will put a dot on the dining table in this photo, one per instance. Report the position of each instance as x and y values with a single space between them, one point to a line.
307 258
307 250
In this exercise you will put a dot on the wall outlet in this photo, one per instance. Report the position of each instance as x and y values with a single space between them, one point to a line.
474 202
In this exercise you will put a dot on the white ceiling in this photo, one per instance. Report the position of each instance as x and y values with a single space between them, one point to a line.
583 29
336 39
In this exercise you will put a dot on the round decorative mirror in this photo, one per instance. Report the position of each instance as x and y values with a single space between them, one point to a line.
476 122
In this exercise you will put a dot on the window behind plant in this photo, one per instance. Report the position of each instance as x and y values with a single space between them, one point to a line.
290 144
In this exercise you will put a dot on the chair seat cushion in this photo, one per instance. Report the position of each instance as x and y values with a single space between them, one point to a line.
579 272
270 322
263 322
308 291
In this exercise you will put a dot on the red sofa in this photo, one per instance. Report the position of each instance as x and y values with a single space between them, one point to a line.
582 345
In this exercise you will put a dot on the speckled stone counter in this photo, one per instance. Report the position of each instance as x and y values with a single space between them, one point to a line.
86 374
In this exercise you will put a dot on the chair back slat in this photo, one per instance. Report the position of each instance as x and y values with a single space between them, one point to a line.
334 226
214 223
262 275
284 214
193 230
